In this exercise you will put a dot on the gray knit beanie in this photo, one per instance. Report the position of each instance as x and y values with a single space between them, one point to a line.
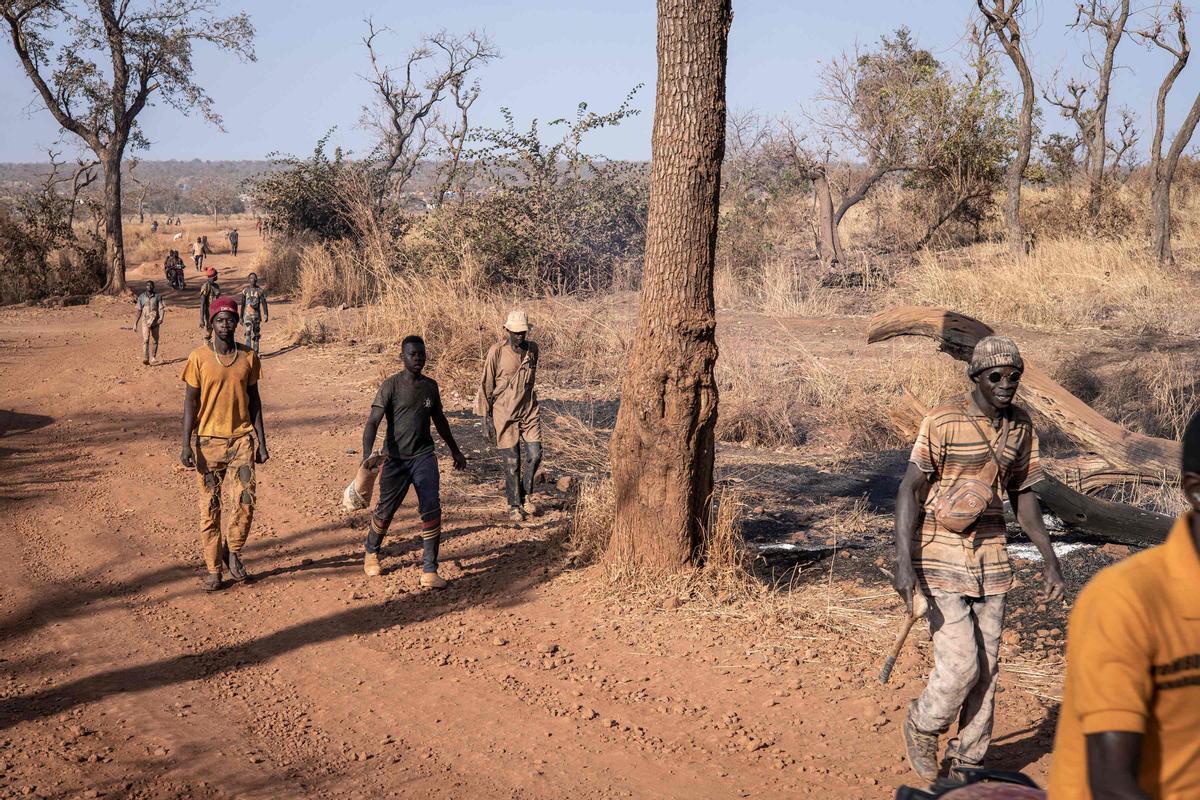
994 351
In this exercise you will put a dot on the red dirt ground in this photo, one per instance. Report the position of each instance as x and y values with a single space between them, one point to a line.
120 678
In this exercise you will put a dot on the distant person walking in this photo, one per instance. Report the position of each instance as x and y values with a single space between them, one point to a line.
198 253
409 401
223 411
254 311
151 309
154 226
232 236
508 402
1129 724
209 292
258 225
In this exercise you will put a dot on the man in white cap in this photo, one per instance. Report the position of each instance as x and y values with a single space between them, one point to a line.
508 403
950 545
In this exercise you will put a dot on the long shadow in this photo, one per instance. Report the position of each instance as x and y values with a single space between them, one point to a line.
1011 752
16 422
67 603
518 567
281 351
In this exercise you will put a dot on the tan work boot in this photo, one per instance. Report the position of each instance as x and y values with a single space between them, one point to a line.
530 508
431 580
371 565
516 514
921 748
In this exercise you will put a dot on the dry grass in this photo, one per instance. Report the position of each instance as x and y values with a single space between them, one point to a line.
1066 284
724 576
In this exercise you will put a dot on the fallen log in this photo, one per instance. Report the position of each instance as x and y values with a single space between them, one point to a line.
1103 519
1131 453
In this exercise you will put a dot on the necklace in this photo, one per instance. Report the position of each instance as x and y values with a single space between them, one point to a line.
218 355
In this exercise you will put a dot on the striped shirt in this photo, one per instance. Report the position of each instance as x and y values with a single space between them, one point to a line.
950 449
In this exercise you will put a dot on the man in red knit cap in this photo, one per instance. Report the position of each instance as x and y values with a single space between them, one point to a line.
223 412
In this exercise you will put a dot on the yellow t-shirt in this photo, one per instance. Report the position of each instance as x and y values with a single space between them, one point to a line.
1133 665
224 408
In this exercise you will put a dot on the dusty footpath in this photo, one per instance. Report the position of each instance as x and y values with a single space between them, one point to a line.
119 677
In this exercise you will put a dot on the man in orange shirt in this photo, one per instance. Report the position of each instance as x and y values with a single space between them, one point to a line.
1129 727
222 408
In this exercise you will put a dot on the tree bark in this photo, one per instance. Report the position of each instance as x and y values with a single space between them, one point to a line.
1003 20
663 445
829 241
1160 203
1114 29
114 234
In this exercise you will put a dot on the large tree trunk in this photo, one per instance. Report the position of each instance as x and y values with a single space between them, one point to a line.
114 234
663 445
1160 202
828 240
1014 176
1114 29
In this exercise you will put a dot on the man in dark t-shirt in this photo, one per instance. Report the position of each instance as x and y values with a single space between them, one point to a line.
409 401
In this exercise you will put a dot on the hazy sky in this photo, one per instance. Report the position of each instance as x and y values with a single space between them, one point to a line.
555 54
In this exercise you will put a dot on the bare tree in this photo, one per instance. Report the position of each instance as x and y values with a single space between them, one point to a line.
663 445
1162 169
406 100
1121 147
1109 19
454 137
876 105
98 64
1004 20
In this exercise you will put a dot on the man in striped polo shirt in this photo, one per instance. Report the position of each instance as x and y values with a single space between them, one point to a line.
967 575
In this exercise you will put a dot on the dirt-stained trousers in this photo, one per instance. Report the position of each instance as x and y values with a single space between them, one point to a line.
520 468
149 336
966 660
253 327
217 459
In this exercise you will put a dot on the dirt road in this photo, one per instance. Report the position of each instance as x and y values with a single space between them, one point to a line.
120 678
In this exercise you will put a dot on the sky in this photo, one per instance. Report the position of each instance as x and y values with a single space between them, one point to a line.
307 78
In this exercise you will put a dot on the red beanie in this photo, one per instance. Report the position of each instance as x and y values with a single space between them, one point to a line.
211 272
225 303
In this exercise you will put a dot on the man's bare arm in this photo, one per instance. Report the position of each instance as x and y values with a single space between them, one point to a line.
1113 760
371 430
1029 516
910 499
443 428
256 414
191 399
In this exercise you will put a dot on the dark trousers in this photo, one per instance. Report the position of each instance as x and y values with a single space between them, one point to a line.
395 477
233 246
520 467
253 331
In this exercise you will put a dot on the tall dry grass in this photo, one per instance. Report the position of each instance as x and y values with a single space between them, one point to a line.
1065 284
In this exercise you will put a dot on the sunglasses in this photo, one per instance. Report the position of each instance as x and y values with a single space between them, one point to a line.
996 377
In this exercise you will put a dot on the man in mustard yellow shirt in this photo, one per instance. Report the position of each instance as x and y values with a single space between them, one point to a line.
1129 727
222 409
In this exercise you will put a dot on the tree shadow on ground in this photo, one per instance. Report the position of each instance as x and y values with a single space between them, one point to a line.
508 573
